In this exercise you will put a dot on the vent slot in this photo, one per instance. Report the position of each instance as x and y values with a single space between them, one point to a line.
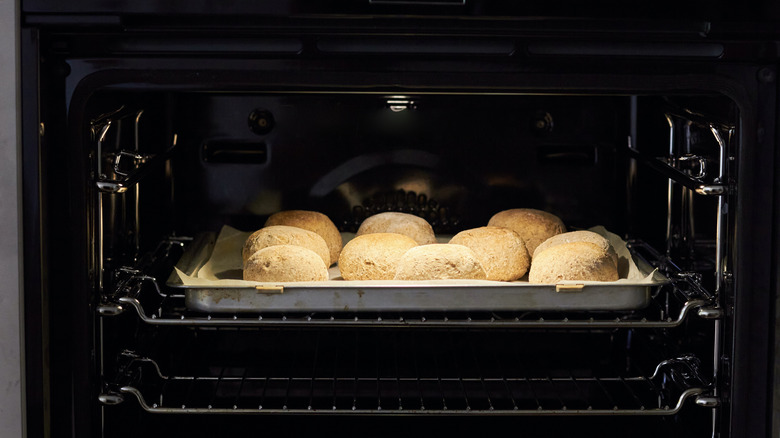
235 152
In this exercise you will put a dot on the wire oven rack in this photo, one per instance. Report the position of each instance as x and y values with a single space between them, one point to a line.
246 390
669 306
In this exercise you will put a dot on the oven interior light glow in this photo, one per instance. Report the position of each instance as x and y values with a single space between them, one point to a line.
397 104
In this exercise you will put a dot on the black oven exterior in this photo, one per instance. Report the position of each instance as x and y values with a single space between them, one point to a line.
70 53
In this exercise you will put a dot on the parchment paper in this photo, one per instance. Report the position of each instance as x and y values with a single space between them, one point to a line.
223 267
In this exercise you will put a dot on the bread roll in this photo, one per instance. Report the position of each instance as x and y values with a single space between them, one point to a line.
534 226
583 261
282 263
373 256
312 221
579 236
285 235
439 261
500 250
402 223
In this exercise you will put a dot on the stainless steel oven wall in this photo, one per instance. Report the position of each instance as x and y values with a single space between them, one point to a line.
11 383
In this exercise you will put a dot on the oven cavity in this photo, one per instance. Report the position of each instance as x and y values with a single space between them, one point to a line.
173 171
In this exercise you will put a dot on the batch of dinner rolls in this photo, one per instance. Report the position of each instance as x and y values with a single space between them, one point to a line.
301 245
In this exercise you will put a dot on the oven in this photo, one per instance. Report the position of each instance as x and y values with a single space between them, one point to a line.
152 135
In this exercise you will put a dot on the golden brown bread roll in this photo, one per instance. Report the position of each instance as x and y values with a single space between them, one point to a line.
583 261
501 251
373 256
579 236
534 226
439 261
285 235
283 263
402 223
312 221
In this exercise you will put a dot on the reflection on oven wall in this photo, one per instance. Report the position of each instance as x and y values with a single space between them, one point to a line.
464 157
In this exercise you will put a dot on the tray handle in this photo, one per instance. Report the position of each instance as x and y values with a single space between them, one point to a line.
270 290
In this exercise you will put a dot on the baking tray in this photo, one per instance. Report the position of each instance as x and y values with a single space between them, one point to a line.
338 295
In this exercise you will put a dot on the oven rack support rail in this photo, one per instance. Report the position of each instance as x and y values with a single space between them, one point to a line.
669 307
127 167
666 167
687 169
664 393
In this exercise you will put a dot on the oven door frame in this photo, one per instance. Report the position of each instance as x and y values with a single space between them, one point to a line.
60 387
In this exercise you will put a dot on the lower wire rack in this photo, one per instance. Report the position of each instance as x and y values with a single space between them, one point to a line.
239 391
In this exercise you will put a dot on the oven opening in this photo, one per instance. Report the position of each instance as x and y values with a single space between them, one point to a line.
176 174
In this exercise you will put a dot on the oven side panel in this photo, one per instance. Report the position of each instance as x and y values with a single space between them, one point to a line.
753 270
58 314
775 279
11 411
35 387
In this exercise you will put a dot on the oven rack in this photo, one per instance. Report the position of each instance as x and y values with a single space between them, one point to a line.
238 391
139 291
171 312
670 307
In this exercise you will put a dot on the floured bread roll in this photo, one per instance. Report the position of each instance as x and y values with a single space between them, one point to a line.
583 261
439 261
285 235
534 226
402 223
373 256
501 251
312 221
579 236
285 263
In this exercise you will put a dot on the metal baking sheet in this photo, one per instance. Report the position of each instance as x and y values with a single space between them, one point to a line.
338 295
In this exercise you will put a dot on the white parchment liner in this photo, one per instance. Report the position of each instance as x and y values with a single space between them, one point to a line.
223 267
